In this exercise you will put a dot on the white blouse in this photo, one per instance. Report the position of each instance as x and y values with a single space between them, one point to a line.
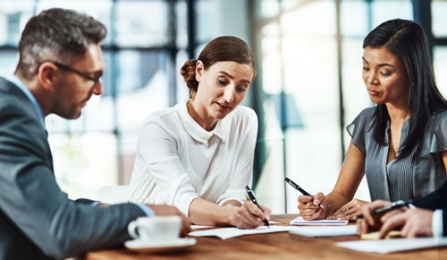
177 160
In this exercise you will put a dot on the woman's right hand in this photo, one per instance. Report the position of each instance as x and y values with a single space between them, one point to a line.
312 207
250 216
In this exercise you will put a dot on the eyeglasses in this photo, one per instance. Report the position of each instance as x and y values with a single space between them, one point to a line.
75 71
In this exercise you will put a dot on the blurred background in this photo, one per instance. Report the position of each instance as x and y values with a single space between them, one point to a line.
308 88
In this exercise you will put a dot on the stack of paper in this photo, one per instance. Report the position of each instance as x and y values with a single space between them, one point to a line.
393 245
230 232
299 221
324 231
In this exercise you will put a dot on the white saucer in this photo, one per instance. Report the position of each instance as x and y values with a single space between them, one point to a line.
156 247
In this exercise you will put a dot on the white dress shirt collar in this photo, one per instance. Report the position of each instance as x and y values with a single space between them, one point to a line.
196 131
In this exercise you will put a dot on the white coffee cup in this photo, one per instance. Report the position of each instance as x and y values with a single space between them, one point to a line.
157 229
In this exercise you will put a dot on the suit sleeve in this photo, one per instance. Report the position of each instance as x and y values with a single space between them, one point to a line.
435 200
33 201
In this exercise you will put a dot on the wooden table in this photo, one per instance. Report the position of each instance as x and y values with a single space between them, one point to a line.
269 246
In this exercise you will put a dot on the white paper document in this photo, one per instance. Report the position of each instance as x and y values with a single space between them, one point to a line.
230 232
324 231
394 245
195 227
299 221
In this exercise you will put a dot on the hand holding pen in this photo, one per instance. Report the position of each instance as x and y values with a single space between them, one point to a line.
252 197
394 205
372 214
310 207
305 193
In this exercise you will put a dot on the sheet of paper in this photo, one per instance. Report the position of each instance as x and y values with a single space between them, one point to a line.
299 221
230 232
324 231
393 245
195 227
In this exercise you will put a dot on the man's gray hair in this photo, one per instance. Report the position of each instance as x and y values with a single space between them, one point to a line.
59 35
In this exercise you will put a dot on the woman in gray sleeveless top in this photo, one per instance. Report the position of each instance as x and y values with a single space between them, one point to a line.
401 143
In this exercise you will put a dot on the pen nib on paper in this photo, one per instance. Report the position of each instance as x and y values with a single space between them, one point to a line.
266 223
253 199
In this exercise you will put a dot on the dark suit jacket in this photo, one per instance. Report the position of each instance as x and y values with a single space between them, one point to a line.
435 200
37 220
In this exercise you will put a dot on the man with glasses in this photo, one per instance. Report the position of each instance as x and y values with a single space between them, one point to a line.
59 69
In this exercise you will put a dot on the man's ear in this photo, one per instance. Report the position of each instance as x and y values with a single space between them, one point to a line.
46 75
199 70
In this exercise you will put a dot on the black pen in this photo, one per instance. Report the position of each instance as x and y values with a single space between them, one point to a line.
253 199
395 205
296 186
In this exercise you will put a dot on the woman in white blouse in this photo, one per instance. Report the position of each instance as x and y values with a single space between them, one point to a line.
198 155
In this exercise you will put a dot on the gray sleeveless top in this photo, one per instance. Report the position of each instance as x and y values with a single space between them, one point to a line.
401 179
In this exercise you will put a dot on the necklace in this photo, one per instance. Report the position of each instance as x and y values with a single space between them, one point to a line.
395 149
393 145
395 131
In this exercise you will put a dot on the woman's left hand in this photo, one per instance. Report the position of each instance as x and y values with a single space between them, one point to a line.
350 210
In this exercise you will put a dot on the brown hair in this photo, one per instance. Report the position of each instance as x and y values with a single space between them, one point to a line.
224 48
56 34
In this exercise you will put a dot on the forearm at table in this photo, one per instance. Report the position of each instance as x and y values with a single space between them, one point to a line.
335 201
349 178
203 212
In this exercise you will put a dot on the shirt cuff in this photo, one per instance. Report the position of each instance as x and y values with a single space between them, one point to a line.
436 224
148 211
95 204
